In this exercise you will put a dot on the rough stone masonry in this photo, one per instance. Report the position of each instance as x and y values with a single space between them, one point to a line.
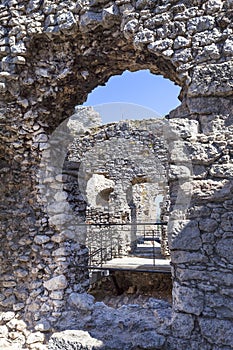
123 167
53 53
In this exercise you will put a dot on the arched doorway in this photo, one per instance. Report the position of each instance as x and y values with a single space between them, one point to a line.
70 51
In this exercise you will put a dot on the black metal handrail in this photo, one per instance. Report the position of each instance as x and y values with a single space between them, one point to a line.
110 241
123 224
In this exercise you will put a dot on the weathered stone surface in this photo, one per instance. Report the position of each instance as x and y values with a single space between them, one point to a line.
55 283
35 338
208 225
217 331
203 82
95 186
138 324
52 55
188 300
81 301
185 235
182 325
224 248
222 171
68 340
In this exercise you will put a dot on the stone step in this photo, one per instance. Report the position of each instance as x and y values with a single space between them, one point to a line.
149 256
148 250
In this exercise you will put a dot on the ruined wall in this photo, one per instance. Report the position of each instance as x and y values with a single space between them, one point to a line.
120 156
52 55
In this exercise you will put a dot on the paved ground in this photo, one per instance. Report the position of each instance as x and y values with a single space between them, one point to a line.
133 263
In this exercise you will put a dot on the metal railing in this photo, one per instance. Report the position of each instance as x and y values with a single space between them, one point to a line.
106 241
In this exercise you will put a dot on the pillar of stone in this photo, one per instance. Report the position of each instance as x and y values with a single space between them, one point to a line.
200 237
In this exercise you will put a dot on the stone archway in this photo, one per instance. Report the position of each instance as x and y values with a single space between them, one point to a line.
52 55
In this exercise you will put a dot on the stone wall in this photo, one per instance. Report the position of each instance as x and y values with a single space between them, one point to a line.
129 159
53 53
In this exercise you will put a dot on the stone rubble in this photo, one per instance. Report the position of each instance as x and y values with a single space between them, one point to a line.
129 327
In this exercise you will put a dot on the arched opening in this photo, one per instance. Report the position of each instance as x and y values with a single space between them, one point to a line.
125 169
156 94
66 237
103 196
51 65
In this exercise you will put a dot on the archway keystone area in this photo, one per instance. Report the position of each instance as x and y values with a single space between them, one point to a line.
53 53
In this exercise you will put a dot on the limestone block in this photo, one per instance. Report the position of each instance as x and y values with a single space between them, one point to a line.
182 56
69 340
17 337
200 24
217 331
19 60
66 20
6 316
228 47
41 239
182 325
208 225
222 170
56 283
179 152
227 222
209 190
130 27
153 340
61 252
211 51
61 219
3 331
8 302
221 304
181 42
224 248
145 36
185 235
21 273
143 4
18 306
95 186
43 326
160 45
202 153
199 171
35 337
58 295
212 79
188 300
179 172
212 6
90 18
181 257
82 301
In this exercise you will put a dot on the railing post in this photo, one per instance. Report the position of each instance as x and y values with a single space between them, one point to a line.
153 243
101 247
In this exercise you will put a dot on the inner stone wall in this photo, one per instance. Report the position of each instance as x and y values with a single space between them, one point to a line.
53 53
122 156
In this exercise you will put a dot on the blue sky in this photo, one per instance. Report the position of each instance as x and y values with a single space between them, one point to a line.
136 95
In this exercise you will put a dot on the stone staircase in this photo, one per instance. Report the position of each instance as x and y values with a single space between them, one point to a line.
144 251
